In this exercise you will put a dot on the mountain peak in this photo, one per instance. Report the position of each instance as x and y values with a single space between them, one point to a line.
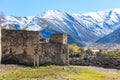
51 13
87 27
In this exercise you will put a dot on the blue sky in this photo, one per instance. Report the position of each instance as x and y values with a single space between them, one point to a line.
36 7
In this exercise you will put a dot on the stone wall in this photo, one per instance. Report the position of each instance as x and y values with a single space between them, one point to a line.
52 53
0 45
59 38
23 47
18 46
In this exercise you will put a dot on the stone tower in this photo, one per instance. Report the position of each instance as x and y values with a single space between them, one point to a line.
59 38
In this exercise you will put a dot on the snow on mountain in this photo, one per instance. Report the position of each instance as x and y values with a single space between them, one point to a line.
51 14
101 23
88 27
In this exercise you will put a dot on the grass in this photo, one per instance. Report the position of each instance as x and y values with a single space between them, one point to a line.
57 73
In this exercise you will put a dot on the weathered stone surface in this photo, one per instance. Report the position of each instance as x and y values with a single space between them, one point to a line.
52 53
23 47
18 46
59 38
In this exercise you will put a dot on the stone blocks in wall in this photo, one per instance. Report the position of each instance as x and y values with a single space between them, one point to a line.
18 46
23 47
59 38
52 53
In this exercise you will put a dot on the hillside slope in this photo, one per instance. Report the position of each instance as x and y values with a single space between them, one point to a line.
113 37
80 28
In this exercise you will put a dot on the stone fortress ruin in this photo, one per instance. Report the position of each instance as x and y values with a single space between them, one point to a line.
26 48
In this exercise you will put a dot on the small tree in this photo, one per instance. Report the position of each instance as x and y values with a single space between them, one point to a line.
74 49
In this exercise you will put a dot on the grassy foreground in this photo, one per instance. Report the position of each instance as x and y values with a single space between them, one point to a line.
57 73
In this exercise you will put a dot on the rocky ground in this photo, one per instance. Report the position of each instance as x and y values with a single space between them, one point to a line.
112 63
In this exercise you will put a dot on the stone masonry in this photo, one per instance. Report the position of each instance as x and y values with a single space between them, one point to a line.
23 47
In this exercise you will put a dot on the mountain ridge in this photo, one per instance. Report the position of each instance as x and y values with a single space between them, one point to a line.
113 37
80 28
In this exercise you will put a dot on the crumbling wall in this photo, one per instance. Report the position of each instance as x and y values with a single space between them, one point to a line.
23 47
52 53
18 46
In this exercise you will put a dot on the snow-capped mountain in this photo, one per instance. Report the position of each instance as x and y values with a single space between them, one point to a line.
113 37
88 27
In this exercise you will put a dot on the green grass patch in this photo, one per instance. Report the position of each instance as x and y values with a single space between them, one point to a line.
86 74
56 73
